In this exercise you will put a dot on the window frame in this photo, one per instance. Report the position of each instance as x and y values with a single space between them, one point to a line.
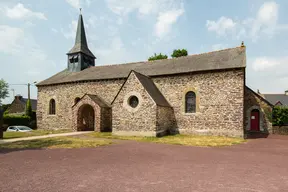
52 107
194 103
131 103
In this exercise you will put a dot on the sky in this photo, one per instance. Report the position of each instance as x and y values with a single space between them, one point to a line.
37 34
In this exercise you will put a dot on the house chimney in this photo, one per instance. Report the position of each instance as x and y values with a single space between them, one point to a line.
286 92
19 97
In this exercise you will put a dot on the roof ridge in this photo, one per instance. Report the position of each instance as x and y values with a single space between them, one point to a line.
196 54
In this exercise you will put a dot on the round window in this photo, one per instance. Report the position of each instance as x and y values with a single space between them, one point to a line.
133 101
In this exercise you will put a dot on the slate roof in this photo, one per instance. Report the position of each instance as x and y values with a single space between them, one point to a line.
96 99
81 41
19 105
274 98
260 96
152 90
217 60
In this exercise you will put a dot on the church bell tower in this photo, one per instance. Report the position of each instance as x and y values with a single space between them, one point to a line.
80 57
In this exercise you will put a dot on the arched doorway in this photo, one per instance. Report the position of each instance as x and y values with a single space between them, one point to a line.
86 118
255 120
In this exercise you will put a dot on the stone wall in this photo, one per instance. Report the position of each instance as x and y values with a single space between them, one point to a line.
219 109
280 130
134 121
166 122
65 95
106 119
254 101
220 101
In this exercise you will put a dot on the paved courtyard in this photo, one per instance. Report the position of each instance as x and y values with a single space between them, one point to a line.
259 165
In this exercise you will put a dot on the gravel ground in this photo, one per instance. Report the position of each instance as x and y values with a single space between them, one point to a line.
259 165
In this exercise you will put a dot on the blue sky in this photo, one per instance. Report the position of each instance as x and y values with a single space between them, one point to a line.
37 34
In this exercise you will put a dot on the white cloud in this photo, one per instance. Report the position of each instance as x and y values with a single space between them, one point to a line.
77 4
117 49
20 12
265 22
28 57
222 26
165 21
74 3
71 33
11 37
54 30
264 64
268 13
125 7
165 12
268 74
143 7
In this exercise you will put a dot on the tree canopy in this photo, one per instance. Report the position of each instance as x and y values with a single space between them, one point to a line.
179 53
157 57
3 89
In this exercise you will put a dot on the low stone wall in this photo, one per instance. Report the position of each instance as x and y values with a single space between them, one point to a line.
280 130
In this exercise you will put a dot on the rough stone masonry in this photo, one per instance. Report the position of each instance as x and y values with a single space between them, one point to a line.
196 94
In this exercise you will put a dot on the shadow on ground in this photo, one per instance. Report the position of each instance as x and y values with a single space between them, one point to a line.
32 144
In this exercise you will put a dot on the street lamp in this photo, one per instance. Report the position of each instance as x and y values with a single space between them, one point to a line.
29 89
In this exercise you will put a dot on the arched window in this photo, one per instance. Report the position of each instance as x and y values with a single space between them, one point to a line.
190 102
76 100
52 107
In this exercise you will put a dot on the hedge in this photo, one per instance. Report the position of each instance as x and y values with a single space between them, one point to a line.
280 116
16 120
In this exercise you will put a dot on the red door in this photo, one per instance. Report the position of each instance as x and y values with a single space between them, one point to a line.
254 118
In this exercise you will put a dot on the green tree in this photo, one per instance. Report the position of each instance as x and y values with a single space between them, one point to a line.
179 53
3 89
5 107
157 57
28 111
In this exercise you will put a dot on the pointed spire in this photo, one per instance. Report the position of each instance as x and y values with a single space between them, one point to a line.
80 34
81 44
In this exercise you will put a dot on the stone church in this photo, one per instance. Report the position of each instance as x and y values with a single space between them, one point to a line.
196 94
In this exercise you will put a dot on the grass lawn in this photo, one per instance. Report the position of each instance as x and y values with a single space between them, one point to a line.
11 135
55 142
189 140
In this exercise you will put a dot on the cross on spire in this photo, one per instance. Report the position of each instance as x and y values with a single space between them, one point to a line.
80 10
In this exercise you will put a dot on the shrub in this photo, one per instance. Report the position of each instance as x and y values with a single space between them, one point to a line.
179 53
280 116
16 120
157 57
